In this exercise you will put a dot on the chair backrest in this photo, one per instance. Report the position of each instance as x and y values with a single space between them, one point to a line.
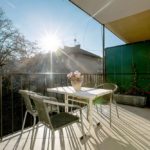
110 86
42 110
26 96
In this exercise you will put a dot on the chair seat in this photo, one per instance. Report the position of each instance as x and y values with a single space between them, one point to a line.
63 119
101 100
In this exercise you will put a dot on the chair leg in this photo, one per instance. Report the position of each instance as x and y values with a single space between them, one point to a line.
34 122
58 110
53 139
83 133
97 108
116 109
101 108
72 104
32 144
44 137
110 113
87 113
24 120
48 140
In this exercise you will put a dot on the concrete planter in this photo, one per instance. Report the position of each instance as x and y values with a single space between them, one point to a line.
139 101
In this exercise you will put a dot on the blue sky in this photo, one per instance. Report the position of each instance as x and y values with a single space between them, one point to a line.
35 18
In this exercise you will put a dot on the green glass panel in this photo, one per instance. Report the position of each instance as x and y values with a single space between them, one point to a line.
128 63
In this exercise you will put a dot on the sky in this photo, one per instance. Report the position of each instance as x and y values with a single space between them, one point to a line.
40 19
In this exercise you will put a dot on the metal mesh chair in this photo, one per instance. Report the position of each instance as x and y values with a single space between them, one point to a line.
54 122
30 108
106 98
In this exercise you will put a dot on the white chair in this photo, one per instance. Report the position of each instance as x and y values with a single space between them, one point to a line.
30 109
54 122
105 100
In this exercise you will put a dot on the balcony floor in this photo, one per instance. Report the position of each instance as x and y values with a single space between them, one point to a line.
129 132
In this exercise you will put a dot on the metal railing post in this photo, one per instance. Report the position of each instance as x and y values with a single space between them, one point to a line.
45 84
12 102
104 56
21 85
1 111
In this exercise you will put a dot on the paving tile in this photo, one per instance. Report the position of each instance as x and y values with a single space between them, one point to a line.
129 132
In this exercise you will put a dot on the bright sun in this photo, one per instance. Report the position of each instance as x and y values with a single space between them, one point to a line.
50 43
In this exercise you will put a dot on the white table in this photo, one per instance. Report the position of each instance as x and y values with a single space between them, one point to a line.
86 93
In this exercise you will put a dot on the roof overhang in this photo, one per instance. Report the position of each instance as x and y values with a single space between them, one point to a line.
128 19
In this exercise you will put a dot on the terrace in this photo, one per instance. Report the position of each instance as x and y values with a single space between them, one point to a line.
127 66
131 131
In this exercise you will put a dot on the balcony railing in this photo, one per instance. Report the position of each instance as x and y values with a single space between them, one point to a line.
12 107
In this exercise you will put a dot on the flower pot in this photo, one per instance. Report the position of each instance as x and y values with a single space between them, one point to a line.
139 101
76 85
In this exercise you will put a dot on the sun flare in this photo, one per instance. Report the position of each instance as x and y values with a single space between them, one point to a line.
50 43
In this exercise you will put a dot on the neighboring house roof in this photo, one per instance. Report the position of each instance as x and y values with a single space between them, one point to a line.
65 60
77 49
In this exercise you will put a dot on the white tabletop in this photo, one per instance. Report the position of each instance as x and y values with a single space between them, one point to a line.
85 92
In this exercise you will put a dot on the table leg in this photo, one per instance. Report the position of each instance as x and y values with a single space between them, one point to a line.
90 116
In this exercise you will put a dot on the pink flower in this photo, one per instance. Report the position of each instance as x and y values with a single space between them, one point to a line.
75 76
70 75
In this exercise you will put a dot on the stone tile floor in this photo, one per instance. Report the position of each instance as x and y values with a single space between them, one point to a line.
129 132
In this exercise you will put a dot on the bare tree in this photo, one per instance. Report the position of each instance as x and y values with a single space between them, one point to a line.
13 45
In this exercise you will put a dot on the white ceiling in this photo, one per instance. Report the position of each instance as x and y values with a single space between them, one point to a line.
110 10
128 19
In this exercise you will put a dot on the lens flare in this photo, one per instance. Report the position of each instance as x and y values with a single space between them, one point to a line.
50 43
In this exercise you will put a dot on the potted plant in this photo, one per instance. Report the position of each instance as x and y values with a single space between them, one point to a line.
134 96
76 79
